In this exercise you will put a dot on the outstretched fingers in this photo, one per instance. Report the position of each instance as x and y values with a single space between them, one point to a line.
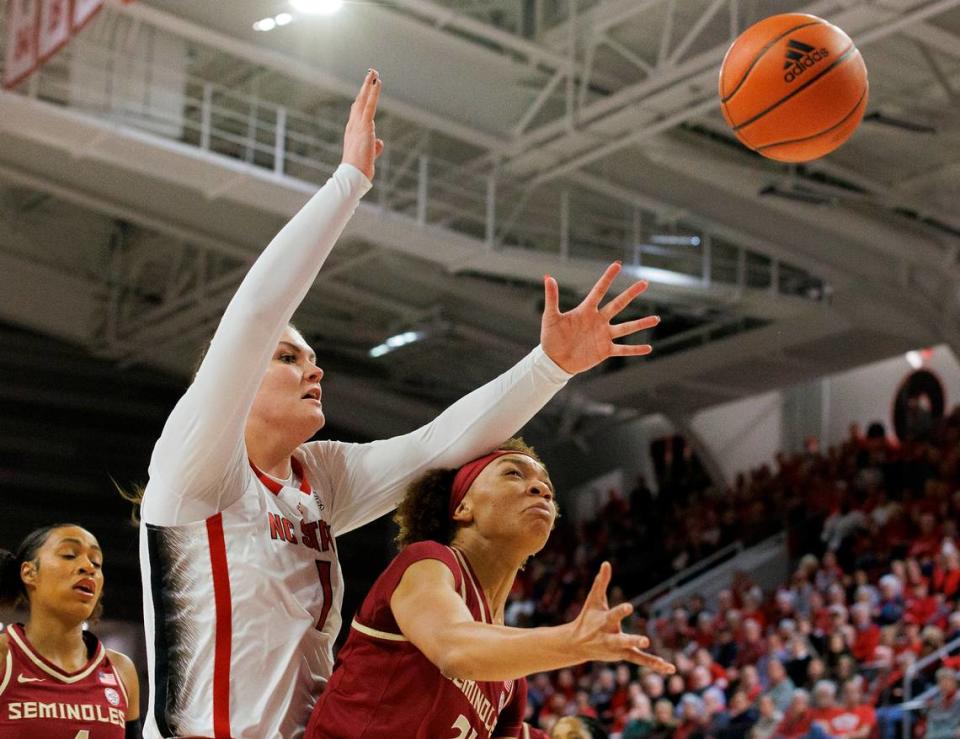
597 597
645 659
624 299
619 330
630 350
551 296
599 290
372 86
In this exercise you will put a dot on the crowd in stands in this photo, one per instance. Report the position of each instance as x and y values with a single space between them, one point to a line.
873 527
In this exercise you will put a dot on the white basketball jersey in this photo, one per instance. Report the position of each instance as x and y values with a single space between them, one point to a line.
241 614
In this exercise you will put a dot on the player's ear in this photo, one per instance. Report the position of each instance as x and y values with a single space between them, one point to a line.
28 573
464 513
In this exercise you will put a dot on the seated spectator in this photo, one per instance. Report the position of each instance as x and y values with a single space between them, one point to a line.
824 703
816 672
798 660
715 707
692 718
798 719
742 717
664 723
749 683
867 633
890 608
768 720
943 713
781 687
639 719
855 719
946 572
676 688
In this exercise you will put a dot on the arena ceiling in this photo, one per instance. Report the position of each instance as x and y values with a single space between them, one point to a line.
143 169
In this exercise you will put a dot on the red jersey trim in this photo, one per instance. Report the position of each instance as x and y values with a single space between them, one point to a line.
224 627
275 487
48 667
7 671
485 615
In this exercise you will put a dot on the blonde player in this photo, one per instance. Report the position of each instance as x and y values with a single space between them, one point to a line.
242 587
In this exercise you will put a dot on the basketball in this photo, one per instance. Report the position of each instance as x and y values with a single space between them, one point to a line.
793 87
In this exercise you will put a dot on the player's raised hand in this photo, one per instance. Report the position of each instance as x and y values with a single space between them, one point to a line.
583 337
597 634
361 147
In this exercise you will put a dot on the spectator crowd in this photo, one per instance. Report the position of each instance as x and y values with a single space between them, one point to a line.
872 526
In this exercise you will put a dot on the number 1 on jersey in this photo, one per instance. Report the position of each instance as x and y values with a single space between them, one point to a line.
323 570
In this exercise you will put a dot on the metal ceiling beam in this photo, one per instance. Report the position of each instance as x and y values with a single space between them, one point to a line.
692 75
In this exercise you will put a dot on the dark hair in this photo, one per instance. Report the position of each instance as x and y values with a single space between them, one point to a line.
424 512
12 590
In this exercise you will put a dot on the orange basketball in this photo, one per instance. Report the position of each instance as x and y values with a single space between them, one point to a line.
793 87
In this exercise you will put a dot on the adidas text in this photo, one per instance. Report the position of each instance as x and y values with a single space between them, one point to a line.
804 63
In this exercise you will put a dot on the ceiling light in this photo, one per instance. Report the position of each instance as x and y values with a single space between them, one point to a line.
914 359
676 239
282 19
317 7
395 342
265 24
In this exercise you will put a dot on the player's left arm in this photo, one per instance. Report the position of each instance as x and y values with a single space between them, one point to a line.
127 672
371 477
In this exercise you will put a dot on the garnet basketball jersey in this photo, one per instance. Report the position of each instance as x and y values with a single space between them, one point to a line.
384 686
38 699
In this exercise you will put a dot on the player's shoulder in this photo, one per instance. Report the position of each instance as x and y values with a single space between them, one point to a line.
421 553
423 550
4 645
125 669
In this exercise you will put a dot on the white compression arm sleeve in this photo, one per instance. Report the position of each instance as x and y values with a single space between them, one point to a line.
199 463
369 479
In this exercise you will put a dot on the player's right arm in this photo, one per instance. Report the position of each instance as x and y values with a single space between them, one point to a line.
199 465
431 614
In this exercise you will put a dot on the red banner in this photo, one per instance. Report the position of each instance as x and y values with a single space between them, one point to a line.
54 29
21 53
83 11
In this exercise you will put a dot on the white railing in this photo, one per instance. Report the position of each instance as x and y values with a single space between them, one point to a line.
165 98
912 671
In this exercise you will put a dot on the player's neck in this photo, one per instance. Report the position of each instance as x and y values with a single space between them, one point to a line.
61 643
495 568
269 453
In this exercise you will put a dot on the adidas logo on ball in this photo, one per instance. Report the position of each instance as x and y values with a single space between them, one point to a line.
800 57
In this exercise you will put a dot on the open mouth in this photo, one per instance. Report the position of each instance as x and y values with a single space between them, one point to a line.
311 394
86 587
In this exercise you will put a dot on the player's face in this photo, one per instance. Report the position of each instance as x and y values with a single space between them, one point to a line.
513 498
289 395
67 574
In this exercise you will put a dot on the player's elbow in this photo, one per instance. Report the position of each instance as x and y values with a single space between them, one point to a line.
454 662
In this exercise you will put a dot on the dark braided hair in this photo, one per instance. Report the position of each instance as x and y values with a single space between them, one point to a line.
424 512
13 592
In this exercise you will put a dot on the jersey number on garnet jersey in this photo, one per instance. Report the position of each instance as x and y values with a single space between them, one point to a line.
463 726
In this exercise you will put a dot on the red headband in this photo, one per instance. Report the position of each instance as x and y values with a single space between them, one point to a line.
469 472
